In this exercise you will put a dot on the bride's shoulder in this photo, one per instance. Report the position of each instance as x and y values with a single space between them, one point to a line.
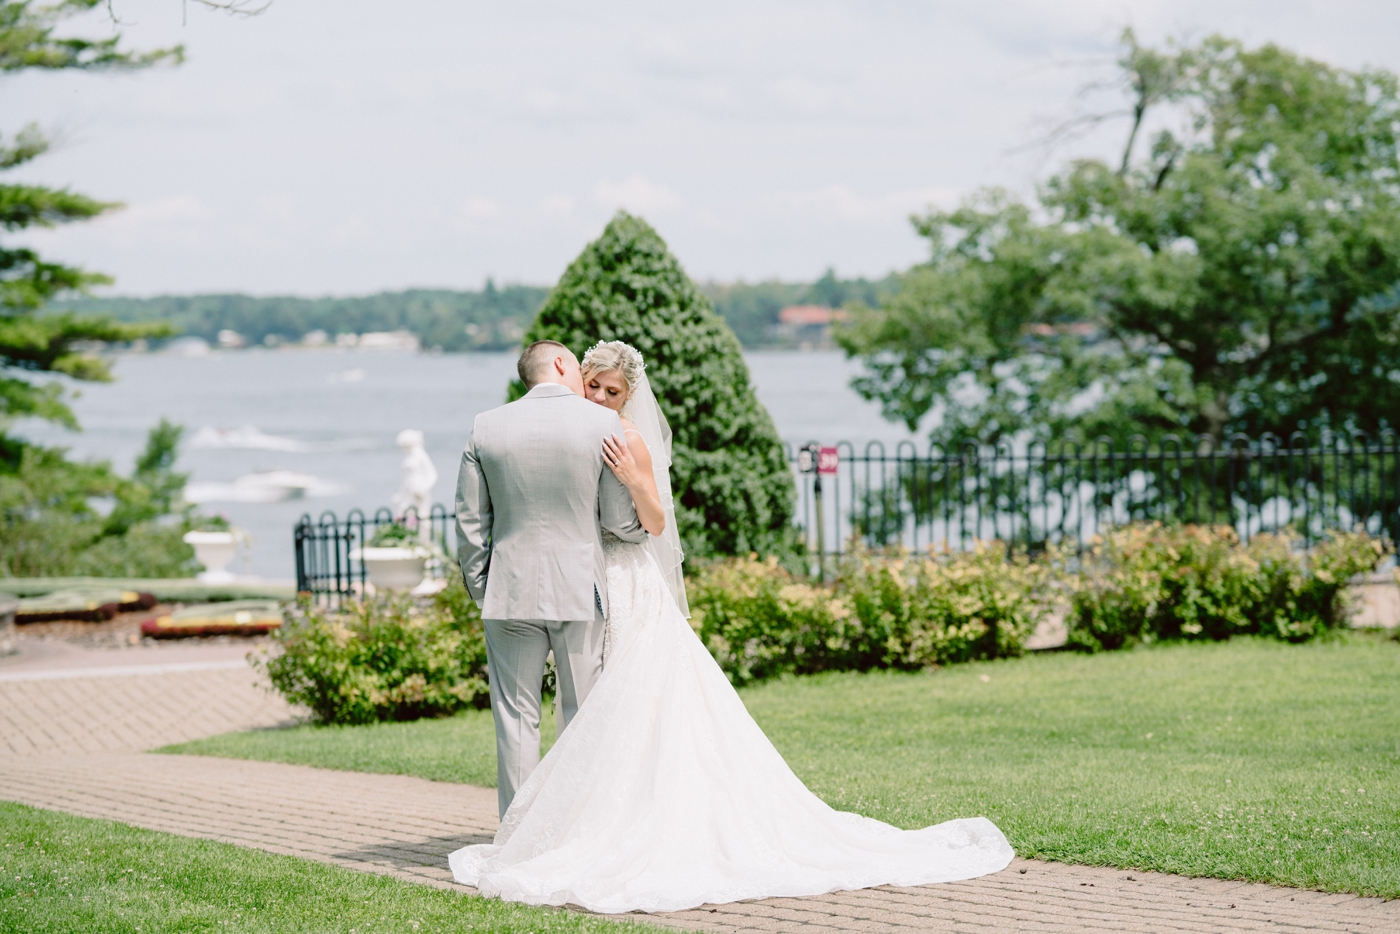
636 442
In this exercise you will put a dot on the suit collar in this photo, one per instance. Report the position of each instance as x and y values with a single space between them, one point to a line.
550 391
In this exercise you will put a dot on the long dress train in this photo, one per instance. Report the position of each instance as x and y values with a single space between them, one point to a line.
664 794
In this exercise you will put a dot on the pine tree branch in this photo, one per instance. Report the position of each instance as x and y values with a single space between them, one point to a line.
24 206
232 7
28 144
27 282
27 41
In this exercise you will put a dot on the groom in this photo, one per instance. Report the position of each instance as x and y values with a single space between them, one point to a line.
533 494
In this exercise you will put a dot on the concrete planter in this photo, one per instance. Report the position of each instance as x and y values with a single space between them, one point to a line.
1376 600
214 550
392 568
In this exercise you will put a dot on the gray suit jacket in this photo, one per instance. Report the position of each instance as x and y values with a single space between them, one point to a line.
532 496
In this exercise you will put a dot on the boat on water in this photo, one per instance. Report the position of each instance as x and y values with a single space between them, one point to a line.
263 486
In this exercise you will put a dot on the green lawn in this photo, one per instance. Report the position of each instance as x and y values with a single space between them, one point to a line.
1250 759
453 749
63 874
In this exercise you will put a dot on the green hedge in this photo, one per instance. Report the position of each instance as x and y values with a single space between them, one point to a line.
390 659
384 658
1147 582
1138 584
885 611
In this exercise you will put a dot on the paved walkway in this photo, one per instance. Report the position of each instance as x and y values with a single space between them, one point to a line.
73 743
128 700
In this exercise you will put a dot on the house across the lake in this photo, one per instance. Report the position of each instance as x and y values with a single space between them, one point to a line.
807 326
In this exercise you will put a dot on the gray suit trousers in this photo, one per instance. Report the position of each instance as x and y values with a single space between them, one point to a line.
516 651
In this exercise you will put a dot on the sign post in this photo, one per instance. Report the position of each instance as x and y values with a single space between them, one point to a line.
828 462
818 461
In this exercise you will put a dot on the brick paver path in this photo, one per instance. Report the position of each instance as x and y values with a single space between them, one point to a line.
109 713
73 744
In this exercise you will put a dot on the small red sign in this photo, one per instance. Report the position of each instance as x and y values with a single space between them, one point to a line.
828 461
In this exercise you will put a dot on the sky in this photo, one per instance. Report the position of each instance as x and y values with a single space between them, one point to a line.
343 147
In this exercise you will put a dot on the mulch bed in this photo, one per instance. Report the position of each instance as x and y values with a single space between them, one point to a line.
75 608
232 618
122 631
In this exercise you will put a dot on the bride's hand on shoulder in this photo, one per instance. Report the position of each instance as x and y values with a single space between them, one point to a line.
631 463
620 459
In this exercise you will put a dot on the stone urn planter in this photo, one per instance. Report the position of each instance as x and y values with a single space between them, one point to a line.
214 550
392 568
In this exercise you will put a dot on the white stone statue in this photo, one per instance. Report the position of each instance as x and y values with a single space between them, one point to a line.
419 477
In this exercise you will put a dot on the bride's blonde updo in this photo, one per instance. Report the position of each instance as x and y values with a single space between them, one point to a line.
606 356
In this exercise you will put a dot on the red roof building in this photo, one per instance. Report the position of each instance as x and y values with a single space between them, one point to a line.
799 316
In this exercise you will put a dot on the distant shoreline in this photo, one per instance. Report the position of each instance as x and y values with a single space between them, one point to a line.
764 315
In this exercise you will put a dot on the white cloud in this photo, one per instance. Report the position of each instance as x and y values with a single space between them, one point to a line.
557 206
356 229
806 96
638 195
282 211
176 219
840 204
481 209
336 146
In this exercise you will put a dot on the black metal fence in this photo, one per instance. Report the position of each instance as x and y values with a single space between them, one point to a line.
329 550
1026 498
1068 494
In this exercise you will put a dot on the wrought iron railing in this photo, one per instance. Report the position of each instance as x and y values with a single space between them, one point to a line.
1026 498
1068 494
329 550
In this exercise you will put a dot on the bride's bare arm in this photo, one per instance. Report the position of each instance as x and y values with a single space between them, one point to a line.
631 463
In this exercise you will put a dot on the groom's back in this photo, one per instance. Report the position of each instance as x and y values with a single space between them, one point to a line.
540 461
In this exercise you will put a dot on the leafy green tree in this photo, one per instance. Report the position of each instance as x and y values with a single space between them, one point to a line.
733 486
1240 274
51 524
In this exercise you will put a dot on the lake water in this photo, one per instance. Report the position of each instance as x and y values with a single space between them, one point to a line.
335 414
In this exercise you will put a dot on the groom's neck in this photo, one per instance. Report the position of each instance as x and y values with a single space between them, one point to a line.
557 382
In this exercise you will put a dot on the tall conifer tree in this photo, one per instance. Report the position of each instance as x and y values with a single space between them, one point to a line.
733 486
29 341
47 523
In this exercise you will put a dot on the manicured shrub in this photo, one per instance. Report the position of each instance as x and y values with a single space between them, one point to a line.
733 487
951 607
389 658
1140 583
886 610
384 658
759 621
1148 582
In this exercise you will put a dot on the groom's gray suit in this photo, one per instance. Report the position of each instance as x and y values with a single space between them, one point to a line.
532 495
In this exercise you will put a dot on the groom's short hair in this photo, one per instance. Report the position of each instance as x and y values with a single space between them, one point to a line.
536 357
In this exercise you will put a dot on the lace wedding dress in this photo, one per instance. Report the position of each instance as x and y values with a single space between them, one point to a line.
664 794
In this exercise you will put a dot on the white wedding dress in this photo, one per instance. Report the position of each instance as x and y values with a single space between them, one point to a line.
664 794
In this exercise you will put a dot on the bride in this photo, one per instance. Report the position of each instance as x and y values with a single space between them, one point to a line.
663 793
